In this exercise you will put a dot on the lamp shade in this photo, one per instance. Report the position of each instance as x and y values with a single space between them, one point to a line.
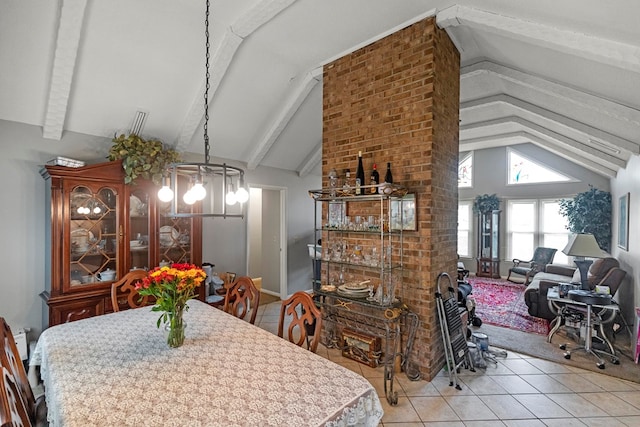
583 245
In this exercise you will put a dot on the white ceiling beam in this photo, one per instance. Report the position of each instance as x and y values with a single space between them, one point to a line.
590 132
561 92
259 15
221 59
593 48
296 98
521 137
64 64
311 161
575 147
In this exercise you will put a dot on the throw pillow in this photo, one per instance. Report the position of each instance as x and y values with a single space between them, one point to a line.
599 269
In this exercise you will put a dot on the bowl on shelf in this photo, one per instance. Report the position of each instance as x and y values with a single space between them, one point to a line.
135 243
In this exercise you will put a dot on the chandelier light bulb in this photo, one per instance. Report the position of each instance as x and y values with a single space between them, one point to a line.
80 210
230 198
189 198
242 195
198 191
97 210
165 194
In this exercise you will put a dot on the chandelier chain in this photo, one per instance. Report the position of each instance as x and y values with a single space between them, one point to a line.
206 87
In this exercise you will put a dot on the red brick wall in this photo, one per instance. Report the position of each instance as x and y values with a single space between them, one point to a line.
397 100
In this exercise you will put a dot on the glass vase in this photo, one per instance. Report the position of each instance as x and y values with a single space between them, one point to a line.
174 329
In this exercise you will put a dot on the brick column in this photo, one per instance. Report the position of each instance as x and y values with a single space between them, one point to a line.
397 100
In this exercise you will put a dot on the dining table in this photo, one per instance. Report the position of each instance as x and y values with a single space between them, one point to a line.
117 370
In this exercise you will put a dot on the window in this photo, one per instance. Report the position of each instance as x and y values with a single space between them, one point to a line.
464 228
526 171
465 171
533 223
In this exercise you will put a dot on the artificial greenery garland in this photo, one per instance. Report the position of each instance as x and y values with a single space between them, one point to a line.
142 158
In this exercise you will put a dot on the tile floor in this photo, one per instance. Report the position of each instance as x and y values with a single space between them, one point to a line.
519 391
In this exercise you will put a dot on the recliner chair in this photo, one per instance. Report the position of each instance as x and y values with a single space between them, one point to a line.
541 257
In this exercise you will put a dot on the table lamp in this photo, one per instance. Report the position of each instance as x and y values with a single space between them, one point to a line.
583 245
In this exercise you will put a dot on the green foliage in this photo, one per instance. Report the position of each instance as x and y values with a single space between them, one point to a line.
590 212
486 203
142 158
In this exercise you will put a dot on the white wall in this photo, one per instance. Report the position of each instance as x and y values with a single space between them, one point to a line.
23 219
628 181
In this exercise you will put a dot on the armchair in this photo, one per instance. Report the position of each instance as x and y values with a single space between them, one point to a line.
541 257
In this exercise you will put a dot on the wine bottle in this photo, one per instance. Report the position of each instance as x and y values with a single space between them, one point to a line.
375 179
388 177
359 176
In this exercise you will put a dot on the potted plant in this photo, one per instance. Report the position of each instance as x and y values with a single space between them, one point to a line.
590 212
484 203
141 158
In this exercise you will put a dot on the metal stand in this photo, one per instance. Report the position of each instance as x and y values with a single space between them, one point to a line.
453 334
588 348
387 323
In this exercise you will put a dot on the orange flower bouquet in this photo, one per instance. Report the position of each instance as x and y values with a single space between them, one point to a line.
172 287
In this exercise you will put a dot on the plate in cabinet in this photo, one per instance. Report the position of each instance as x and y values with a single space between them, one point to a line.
168 236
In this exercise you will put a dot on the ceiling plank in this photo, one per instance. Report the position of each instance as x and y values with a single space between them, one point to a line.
614 141
64 63
572 145
311 161
602 106
293 102
260 14
593 48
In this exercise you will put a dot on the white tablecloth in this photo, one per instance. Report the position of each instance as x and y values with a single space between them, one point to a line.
117 370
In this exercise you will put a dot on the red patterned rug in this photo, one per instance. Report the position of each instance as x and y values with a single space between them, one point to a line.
501 303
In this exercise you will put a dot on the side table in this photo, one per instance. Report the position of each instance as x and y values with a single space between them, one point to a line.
580 301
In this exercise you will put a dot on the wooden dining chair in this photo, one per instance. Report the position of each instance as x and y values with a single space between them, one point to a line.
242 299
306 320
10 359
124 294
12 410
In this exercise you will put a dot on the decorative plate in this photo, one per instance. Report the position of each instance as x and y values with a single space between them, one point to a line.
168 236
136 207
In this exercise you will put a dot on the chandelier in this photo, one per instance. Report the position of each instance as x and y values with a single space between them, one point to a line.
186 184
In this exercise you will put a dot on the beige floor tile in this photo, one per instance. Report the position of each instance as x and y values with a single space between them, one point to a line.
443 387
630 421
541 406
484 385
496 369
524 423
470 408
403 412
611 404
577 383
632 397
418 388
506 407
521 367
432 409
490 423
514 384
577 405
419 424
562 422
549 367
609 383
546 384
602 422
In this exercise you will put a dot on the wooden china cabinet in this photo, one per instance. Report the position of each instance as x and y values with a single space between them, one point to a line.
99 229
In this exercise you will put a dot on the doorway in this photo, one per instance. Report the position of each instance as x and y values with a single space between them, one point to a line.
266 237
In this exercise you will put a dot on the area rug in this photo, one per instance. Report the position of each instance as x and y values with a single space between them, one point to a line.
501 303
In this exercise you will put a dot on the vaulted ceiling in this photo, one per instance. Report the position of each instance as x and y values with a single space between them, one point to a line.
562 75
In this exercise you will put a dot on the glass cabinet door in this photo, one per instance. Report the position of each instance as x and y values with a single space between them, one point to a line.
174 237
93 236
139 226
